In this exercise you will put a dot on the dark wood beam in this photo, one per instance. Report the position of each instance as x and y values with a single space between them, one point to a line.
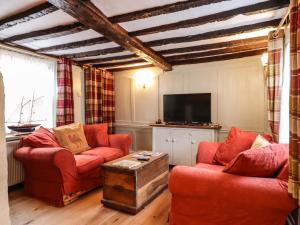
27 15
129 68
160 10
217 17
184 57
191 38
247 10
197 60
229 44
47 33
89 15
216 34
220 57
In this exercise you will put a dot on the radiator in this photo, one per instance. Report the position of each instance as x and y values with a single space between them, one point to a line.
15 168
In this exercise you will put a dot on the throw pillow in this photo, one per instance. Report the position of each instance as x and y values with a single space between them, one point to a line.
260 162
260 142
72 137
96 135
41 138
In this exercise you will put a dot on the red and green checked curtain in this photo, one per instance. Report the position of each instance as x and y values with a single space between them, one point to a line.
274 79
99 97
294 159
64 104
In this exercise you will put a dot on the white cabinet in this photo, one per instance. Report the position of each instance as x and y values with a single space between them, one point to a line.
181 143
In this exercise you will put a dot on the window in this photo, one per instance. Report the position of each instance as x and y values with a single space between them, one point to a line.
29 84
285 91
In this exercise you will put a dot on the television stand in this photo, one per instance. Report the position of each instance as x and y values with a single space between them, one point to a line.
180 142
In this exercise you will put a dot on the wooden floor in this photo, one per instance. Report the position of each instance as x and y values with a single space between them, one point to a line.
87 210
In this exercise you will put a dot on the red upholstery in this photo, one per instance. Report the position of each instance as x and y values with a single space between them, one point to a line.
41 138
204 195
96 134
106 153
52 173
85 163
260 162
236 142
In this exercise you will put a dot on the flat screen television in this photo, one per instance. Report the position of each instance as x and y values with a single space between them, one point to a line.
187 108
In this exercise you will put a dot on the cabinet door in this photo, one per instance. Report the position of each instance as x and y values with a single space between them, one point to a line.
181 148
162 141
198 136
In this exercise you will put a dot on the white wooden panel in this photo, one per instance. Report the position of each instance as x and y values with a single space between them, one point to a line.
181 147
123 98
162 141
78 94
241 97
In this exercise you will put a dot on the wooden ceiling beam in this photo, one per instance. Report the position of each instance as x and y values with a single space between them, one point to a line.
89 15
197 60
229 44
191 38
222 16
160 10
27 15
261 7
184 57
220 57
47 33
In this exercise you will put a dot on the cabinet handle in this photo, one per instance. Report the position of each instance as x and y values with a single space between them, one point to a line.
167 140
193 142
173 140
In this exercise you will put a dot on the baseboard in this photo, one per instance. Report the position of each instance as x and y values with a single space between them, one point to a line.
16 187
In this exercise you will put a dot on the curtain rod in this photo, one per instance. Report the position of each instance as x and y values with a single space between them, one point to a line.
25 51
284 18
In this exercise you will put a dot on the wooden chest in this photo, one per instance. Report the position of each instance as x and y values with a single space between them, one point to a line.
130 190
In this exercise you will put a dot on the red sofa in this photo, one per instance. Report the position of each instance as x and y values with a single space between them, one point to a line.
55 175
204 195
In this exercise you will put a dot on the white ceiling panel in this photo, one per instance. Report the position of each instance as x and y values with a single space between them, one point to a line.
104 56
186 14
240 20
51 20
11 7
78 36
117 7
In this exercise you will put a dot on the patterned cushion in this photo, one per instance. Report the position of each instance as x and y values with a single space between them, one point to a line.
72 137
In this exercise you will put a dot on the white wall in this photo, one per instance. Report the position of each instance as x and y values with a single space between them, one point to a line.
78 94
237 87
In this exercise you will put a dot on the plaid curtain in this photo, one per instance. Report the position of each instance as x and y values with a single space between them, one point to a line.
64 104
274 80
99 97
294 160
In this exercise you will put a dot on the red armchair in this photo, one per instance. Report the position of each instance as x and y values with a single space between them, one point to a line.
204 195
58 177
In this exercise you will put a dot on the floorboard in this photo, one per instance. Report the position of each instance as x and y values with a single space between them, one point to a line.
87 210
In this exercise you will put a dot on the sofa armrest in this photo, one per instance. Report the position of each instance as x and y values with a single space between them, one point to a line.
120 141
207 151
224 188
47 163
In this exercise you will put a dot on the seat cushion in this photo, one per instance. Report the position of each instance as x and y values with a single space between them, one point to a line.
236 142
259 162
86 163
96 135
108 154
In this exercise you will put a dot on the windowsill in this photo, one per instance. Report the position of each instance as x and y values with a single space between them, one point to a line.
14 137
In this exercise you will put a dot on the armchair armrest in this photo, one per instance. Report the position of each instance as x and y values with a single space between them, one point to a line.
51 163
120 141
229 190
207 151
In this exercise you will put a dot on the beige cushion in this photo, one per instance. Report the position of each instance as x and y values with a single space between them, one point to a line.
260 142
72 137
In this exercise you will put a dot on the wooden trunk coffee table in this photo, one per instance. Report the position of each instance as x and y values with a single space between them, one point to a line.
131 189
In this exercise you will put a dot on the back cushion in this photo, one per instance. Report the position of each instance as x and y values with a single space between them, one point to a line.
259 162
41 138
72 137
96 135
236 142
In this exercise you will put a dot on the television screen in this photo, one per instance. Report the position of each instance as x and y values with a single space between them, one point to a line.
187 108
